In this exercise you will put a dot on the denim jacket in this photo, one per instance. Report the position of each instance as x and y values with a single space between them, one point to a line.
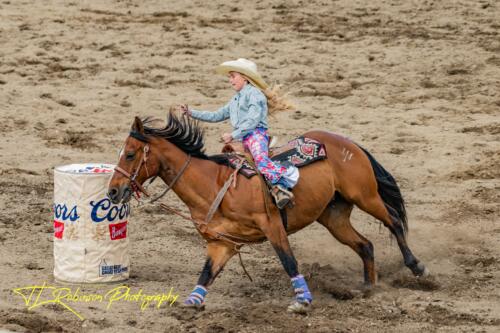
247 110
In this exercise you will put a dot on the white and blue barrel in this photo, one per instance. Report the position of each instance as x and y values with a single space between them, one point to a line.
90 232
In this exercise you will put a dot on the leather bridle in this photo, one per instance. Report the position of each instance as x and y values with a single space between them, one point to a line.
136 186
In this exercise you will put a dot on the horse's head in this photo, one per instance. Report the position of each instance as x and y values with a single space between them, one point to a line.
146 150
137 163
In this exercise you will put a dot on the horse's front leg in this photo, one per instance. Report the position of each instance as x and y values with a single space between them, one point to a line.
218 253
276 234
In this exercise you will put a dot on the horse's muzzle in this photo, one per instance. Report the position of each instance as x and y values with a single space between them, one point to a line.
120 194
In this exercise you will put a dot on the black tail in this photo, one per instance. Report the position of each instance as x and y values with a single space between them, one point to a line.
389 190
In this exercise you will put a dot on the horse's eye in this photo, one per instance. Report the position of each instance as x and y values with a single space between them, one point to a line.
130 156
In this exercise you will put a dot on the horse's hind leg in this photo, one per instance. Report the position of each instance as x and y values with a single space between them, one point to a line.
375 206
218 253
336 218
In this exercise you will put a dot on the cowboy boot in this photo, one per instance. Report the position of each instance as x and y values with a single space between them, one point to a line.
282 196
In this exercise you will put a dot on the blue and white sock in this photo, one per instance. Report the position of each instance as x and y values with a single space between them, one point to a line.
302 293
197 296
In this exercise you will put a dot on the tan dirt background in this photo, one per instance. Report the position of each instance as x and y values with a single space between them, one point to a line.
415 82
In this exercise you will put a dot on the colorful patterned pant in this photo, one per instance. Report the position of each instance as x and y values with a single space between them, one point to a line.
257 142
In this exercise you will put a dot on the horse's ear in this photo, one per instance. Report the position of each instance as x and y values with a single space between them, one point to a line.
137 126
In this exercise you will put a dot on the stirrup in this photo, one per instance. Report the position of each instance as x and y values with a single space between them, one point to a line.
282 196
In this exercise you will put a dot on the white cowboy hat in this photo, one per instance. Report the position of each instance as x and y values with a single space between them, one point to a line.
247 68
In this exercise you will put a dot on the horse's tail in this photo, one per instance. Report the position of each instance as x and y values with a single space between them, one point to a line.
388 189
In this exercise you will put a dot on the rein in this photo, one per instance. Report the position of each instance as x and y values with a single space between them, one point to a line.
203 227
176 178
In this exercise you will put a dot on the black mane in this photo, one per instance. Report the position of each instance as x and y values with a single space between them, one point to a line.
182 131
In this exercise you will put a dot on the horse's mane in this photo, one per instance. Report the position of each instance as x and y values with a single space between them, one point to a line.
182 131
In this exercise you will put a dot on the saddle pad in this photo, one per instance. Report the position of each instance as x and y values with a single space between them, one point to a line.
299 152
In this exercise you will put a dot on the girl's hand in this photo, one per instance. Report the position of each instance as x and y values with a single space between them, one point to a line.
185 109
227 137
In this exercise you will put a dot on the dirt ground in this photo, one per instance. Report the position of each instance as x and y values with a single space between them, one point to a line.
415 82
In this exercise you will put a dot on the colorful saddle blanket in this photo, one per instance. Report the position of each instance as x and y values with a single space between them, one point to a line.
299 152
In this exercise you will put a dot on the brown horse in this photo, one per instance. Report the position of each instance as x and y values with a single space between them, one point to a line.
326 192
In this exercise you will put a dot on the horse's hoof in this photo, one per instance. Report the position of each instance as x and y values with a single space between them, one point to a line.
194 306
297 307
424 272
366 286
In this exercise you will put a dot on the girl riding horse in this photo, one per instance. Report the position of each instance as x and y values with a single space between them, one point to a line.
248 111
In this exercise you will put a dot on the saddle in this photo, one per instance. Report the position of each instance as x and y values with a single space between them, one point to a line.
300 152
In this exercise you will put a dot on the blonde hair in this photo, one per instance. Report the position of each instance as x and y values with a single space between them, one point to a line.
277 100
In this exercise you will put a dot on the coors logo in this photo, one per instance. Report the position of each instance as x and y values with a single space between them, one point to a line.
118 230
103 210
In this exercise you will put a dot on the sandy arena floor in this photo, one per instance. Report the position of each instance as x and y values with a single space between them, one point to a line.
415 82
